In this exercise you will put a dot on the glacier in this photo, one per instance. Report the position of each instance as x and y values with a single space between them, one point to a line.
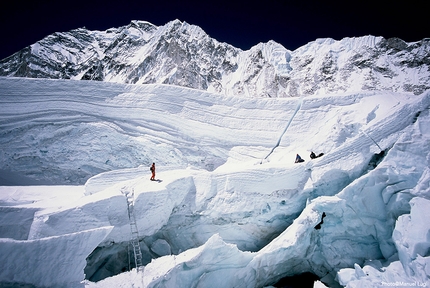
224 213
230 208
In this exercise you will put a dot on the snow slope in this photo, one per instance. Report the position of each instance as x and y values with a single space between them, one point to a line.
229 214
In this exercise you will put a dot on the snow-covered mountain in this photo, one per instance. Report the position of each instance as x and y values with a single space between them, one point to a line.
182 54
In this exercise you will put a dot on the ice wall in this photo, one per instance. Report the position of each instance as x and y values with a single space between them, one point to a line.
57 261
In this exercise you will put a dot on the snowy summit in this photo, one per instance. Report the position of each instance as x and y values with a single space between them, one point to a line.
229 206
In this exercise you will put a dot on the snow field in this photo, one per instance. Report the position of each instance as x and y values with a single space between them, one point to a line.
227 215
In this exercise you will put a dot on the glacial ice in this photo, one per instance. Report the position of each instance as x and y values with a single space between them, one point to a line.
244 222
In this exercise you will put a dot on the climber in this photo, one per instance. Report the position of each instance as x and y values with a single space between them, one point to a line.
153 172
313 156
322 221
299 159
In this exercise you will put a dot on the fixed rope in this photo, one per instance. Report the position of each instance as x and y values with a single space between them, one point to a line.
298 107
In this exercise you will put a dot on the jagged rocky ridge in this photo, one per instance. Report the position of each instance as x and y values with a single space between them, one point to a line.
182 54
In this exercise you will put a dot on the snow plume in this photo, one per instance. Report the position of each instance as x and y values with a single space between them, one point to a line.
217 215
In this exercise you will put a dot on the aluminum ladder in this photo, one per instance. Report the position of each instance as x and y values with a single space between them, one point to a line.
134 240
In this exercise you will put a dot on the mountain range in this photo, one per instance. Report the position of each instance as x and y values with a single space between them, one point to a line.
184 55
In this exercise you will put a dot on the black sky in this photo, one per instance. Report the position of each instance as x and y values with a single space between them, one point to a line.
240 23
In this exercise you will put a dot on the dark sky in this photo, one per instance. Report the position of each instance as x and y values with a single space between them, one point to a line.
240 23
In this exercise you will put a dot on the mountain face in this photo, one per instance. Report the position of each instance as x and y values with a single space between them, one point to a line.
182 54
